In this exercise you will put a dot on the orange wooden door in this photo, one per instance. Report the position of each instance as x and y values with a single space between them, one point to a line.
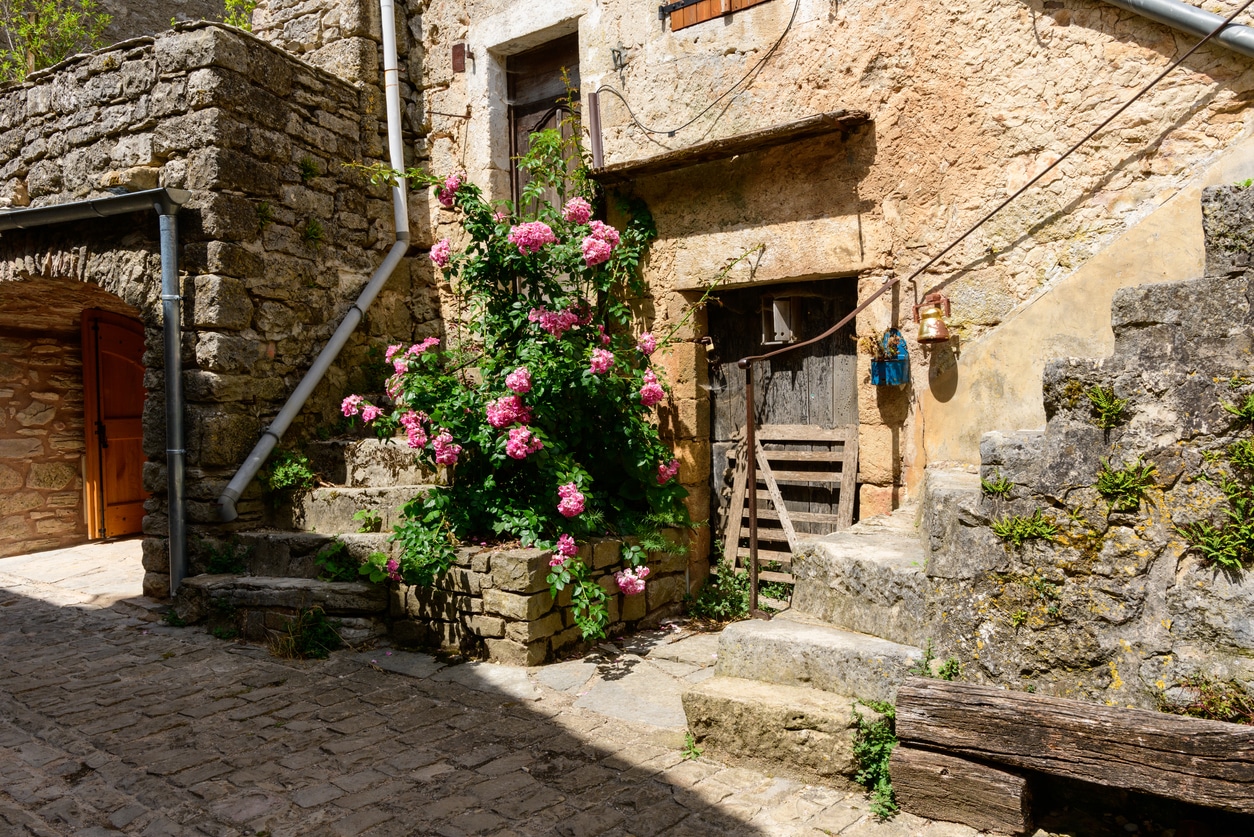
113 395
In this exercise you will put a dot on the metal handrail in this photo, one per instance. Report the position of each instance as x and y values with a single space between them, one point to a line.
746 363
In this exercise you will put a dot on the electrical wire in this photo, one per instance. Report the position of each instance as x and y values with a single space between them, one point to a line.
753 72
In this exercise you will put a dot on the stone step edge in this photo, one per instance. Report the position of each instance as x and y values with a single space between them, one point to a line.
337 598
792 731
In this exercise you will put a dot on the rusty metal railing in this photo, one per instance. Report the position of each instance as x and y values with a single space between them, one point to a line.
746 363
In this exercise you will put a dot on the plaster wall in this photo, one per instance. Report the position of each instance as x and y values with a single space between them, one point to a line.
967 102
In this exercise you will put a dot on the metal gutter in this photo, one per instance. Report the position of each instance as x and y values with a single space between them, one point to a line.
356 312
166 203
1188 18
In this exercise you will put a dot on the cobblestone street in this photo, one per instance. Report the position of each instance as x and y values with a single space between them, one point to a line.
110 724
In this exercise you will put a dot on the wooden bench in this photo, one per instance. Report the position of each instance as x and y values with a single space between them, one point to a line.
955 738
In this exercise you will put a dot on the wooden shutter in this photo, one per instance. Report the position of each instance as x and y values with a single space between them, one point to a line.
707 10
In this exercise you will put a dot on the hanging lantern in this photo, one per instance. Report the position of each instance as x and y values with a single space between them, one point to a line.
930 315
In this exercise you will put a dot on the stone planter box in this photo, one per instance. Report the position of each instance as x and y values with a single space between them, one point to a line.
496 603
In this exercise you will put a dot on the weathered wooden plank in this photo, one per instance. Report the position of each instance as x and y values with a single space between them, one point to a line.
764 470
942 787
1203 762
805 476
825 456
804 433
771 575
765 555
798 517
735 510
848 484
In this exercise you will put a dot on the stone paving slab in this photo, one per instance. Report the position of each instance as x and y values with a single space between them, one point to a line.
111 725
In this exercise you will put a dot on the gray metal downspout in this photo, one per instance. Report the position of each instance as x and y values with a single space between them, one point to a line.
400 211
1192 19
172 337
166 203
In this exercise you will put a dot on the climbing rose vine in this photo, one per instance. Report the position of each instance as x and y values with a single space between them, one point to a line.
539 405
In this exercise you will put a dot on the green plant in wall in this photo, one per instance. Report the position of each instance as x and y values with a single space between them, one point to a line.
723 598
1243 410
287 472
228 557
1230 543
40 33
265 215
1124 488
996 486
308 169
1210 698
873 744
368 520
1108 410
312 233
927 665
1018 529
309 635
336 564
1241 455
240 13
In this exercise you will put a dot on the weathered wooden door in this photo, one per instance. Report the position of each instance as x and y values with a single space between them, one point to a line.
539 82
113 395
816 385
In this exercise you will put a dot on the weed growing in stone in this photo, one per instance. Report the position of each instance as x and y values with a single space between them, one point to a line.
1241 454
1243 410
1123 489
950 669
873 744
308 169
723 598
1230 543
1019 618
1108 411
171 618
265 215
691 751
1018 529
312 233
368 520
310 635
335 564
997 487
1199 696
228 557
224 633
286 472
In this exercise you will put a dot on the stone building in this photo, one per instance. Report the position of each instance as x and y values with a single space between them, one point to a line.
796 155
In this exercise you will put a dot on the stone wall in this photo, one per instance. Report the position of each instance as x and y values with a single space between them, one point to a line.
497 604
1116 606
966 103
41 441
277 239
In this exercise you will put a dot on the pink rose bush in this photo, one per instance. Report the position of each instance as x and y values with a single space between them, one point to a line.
541 411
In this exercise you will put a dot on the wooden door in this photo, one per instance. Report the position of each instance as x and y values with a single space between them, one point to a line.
113 395
815 386
538 82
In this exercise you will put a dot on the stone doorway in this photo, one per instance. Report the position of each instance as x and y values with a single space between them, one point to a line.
43 422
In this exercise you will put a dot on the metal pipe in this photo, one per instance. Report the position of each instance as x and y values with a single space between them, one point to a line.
172 337
400 212
1188 18
29 218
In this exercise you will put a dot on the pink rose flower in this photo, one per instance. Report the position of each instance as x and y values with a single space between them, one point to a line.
595 251
577 211
556 323
415 433
349 406
572 501
507 410
631 581
441 252
370 412
449 191
651 393
605 233
531 236
446 452
566 546
666 472
522 443
605 337
393 569
601 361
519 380
647 343
392 350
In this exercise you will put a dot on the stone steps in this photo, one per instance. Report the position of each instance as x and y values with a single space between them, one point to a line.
260 608
284 554
868 578
785 730
331 509
799 651
367 463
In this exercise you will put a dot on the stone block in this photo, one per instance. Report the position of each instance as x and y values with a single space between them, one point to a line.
694 457
218 437
515 606
526 632
215 215
486 626
511 653
135 179
156 585
874 500
224 352
224 168
192 48
605 553
634 607
662 591
879 454
352 59
52 476
566 638
684 418
221 302
155 557
520 570
685 367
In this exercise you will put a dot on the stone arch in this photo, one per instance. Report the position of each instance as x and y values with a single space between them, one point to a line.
48 279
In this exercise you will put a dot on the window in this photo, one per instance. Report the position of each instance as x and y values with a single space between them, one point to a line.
686 13
537 94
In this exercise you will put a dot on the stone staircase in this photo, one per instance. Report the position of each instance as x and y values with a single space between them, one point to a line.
1113 608
366 481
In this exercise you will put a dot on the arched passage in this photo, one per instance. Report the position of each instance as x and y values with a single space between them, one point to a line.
48 498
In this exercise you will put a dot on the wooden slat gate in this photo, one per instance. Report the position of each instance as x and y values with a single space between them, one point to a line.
806 481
